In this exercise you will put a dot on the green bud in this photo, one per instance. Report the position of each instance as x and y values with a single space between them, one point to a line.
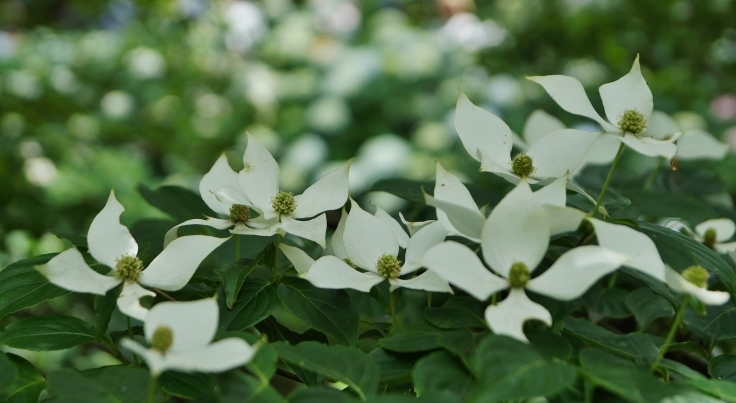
696 275
388 266
522 165
709 238
128 268
284 202
162 339
632 121
239 213
519 275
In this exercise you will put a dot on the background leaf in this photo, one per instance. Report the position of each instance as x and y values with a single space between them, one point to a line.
637 346
104 307
439 372
648 306
117 383
22 286
27 385
44 333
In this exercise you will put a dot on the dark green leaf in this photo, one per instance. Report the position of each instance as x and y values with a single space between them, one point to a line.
104 307
22 286
329 311
724 390
345 364
76 240
604 302
26 386
8 372
237 387
508 369
549 345
263 365
44 333
117 383
637 346
419 336
234 275
440 371
718 323
666 204
648 306
723 367
320 394
393 367
256 301
457 313
461 343
180 203
186 385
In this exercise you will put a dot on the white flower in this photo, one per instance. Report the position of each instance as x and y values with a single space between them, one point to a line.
111 244
279 211
628 105
180 335
489 140
514 241
691 145
694 282
712 233
371 243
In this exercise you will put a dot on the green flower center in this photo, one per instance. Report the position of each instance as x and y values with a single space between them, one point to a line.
284 202
632 121
162 339
696 275
388 266
709 238
350 263
522 165
239 213
128 268
519 275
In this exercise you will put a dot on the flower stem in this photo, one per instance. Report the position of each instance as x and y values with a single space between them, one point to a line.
429 299
653 174
671 334
392 299
237 247
152 389
130 333
608 180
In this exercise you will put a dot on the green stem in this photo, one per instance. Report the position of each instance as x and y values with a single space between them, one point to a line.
429 299
130 333
237 247
671 334
653 174
493 298
608 180
152 389
392 299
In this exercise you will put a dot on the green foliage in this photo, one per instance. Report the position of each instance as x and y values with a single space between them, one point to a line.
22 286
50 332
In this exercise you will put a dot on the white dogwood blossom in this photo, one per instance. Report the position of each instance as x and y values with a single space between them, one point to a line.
514 241
111 244
628 104
180 338
694 282
712 233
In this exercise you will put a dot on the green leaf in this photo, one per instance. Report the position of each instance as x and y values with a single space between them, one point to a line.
237 387
104 307
508 369
320 394
27 385
458 313
117 383
8 372
462 344
22 286
329 311
621 377
637 346
256 301
187 385
345 364
234 275
264 363
718 323
393 367
76 240
415 337
648 306
179 203
549 345
725 390
44 333
439 372
604 302
723 367
650 203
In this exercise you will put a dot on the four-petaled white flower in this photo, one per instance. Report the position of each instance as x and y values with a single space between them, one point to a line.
111 244
489 140
712 233
258 188
371 243
180 337
514 241
628 104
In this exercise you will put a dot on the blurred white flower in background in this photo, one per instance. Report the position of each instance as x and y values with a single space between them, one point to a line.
246 25
145 63
339 17
63 80
383 156
7 45
117 104
467 31
23 84
40 171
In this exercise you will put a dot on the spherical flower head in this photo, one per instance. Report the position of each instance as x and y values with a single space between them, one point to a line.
696 275
519 275
162 339
239 213
284 202
632 121
522 165
128 268
388 266
709 238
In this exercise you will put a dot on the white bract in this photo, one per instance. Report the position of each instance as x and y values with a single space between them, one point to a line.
628 104
712 233
691 145
694 282
489 140
280 212
180 337
111 244
514 241
371 243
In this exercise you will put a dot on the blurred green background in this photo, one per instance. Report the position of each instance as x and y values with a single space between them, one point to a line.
114 94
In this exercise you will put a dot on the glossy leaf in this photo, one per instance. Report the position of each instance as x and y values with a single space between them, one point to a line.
116 383
185 384
439 372
179 203
636 346
458 313
723 367
412 338
234 275
27 385
44 333
104 307
718 323
22 286
256 300
648 306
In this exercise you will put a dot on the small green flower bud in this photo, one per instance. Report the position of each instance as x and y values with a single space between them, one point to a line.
162 339
128 268
632 121
284 202
388 266
709 238
696 275
349 263
239 213
522 165
519 275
